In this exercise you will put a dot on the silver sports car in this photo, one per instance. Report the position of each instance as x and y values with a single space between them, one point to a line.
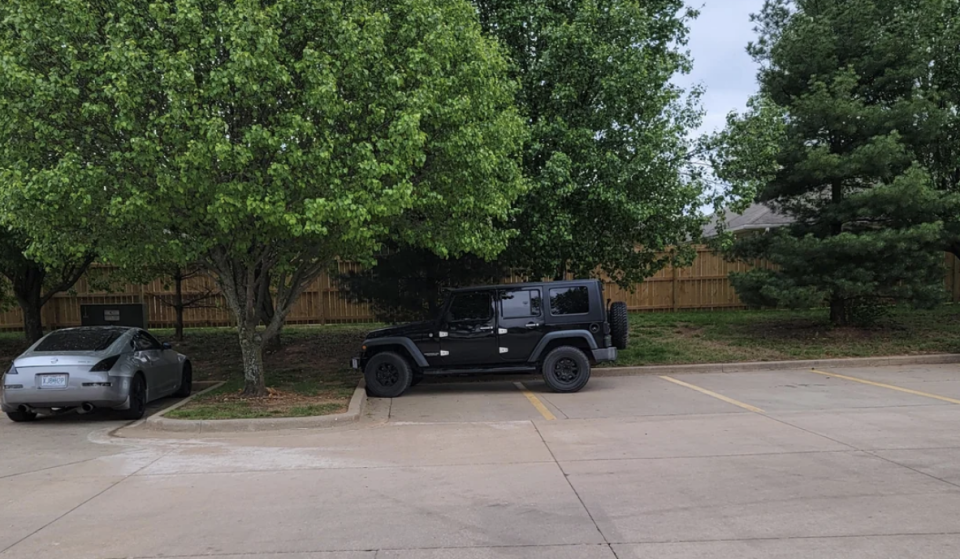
93 367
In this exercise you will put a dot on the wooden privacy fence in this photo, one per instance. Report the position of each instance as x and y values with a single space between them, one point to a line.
703 285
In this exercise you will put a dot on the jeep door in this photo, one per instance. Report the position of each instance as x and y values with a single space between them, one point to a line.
521 322
468 330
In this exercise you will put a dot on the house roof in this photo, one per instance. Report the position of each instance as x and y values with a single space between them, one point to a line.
757 216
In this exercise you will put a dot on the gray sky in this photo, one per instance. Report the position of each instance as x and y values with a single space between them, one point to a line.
718 39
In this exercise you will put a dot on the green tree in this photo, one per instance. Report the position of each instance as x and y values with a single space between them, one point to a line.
608 160
32 282
939 152
848 78
608 155
262 139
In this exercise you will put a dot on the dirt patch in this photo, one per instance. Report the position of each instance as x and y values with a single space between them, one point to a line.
688 331
323 350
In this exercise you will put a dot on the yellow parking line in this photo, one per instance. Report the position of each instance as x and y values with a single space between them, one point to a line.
890 386
747 407
547 414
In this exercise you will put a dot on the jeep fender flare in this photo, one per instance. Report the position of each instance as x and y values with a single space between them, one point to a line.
562 335
406 343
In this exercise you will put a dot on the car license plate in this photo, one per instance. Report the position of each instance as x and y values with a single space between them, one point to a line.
53 381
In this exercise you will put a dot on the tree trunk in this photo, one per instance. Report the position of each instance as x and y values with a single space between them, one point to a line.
838 311
178 305
27 289
245 289
838 306
32 319
267 311
251 349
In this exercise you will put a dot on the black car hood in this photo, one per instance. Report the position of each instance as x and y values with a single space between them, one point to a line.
402 330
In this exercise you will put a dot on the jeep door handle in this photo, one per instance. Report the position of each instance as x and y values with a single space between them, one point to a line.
533 325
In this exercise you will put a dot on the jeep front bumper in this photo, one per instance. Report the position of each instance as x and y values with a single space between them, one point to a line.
605 354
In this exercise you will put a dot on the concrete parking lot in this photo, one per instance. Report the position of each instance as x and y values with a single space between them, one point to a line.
847 463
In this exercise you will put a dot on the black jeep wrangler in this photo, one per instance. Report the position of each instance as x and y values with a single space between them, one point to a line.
557 328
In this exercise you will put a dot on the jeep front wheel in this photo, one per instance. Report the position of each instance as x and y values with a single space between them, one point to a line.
566 369
388 375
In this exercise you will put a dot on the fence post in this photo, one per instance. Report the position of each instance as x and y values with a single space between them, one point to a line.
676 303
955 278
322 293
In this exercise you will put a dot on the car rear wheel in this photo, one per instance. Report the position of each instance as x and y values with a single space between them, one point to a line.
566 369
186 381
619 325
388 375
21 416
138 399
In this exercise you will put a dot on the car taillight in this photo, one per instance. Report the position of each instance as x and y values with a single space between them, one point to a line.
105 365
12 371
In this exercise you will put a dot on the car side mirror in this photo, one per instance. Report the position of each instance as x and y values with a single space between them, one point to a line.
166 345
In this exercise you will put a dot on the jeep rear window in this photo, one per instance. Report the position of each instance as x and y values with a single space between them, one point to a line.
84 339
569 300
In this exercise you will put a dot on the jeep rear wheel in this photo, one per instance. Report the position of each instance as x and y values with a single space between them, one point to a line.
566 369
619 325
388 375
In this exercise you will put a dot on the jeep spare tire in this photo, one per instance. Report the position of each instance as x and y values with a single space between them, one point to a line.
619 325
387 375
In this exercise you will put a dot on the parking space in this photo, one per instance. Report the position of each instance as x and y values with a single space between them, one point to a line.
771 392
455 402
855 463
637 396
786 391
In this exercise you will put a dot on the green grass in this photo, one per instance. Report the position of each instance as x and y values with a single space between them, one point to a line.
244 410
725 336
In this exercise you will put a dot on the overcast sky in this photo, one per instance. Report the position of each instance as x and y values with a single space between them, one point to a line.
718 40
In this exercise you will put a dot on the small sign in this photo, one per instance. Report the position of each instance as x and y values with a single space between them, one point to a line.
111 315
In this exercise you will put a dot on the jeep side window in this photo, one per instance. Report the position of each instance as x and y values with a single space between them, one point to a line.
476 306
569 300
520 303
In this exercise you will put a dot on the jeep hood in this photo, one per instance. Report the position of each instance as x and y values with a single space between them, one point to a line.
402 330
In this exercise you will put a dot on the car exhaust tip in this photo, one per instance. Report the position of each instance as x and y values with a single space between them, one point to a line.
26 409
86 407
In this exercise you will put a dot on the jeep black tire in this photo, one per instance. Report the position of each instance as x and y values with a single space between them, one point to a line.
388 375
619 325
21 416
566 369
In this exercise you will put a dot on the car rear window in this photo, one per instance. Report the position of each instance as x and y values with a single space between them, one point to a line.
78 340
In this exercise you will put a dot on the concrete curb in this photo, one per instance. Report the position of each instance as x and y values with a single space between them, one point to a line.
937 359
157 422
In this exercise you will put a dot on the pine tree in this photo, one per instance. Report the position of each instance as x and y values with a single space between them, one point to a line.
849 78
